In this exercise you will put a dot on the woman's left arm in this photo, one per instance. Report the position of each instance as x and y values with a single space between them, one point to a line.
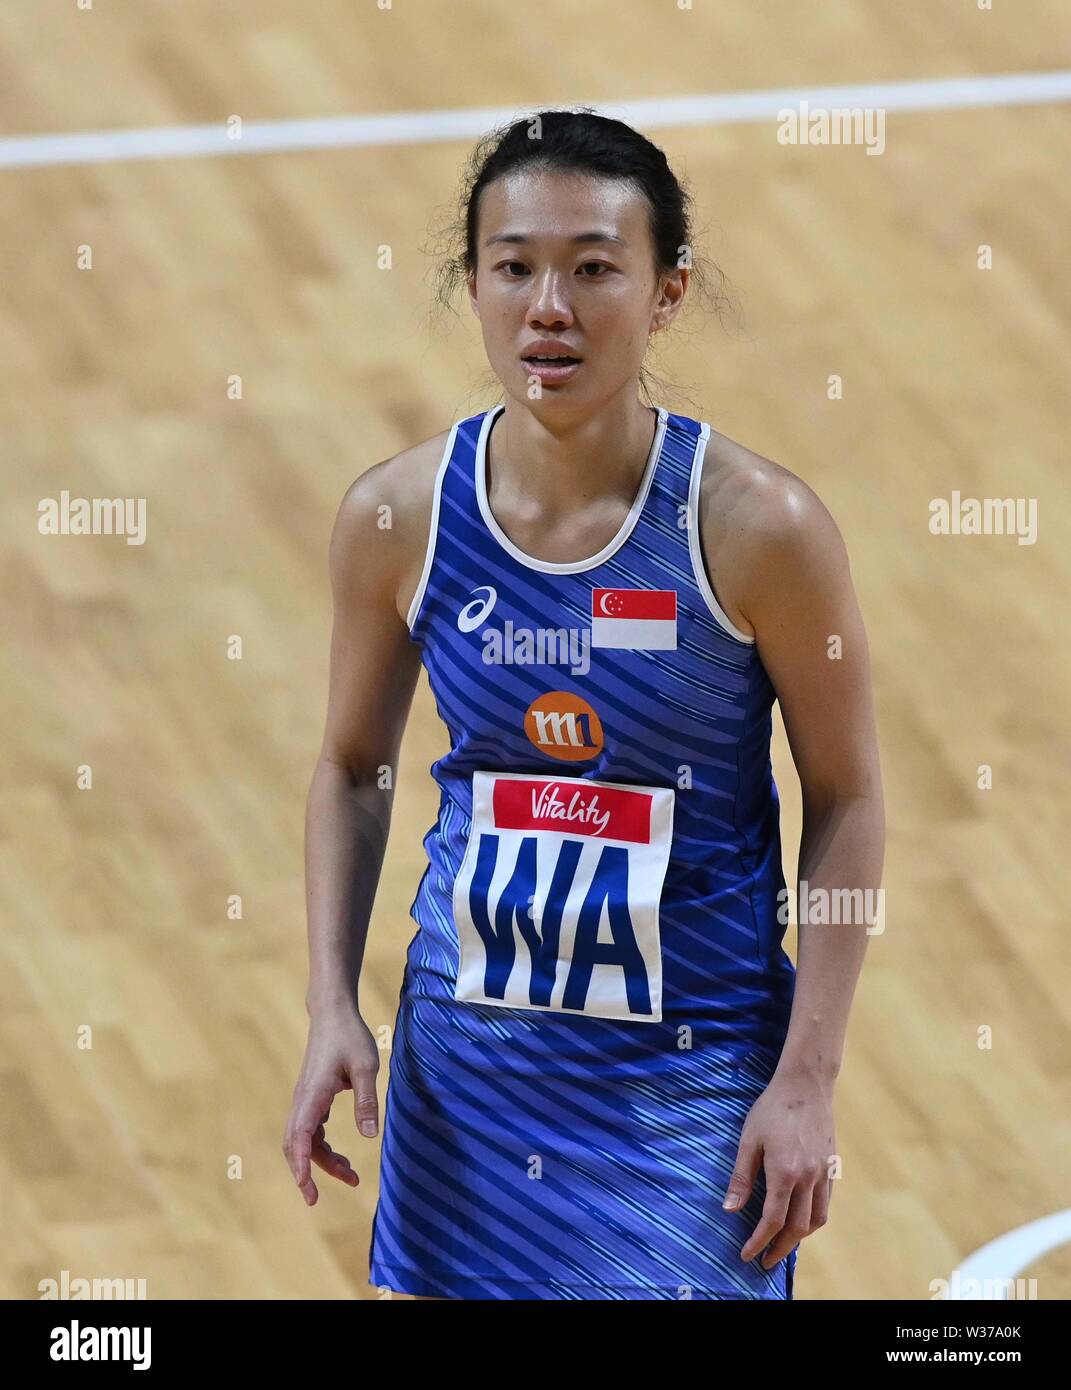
795 588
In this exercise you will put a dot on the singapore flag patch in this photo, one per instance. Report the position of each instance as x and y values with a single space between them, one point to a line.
634 618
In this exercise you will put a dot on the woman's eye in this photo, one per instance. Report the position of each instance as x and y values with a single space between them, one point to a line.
590 270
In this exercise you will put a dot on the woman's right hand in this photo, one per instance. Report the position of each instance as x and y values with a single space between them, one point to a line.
341 1055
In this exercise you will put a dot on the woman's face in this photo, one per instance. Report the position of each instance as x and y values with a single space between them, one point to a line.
568 258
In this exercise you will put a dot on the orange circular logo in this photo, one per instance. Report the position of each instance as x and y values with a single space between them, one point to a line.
564 726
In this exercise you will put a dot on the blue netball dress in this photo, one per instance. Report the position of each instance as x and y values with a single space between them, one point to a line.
597 992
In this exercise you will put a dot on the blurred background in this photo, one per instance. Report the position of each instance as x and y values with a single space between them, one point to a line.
212 330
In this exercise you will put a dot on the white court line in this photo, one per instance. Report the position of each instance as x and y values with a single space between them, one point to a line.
418 127
1003 1260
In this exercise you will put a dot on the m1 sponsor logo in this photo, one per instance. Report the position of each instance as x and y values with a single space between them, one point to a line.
557 899
634 619
564 726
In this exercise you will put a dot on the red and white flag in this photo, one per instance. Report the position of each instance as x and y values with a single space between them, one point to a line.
634 618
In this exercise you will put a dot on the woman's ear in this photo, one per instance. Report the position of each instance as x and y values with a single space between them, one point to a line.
674 288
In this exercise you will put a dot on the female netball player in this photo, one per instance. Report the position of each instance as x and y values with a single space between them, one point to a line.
607 1080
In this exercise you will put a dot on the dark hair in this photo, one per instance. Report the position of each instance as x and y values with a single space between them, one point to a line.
581 141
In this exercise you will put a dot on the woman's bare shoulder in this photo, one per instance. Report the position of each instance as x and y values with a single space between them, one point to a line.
759 492
386 512
756 517
405 482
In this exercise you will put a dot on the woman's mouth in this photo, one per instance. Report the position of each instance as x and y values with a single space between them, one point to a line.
551 369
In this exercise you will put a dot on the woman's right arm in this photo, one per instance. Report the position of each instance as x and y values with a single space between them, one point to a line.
374 669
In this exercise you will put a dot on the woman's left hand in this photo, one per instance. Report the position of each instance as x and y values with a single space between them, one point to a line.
789 1133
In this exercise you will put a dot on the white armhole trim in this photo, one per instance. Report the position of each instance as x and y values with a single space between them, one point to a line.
433 529
698 567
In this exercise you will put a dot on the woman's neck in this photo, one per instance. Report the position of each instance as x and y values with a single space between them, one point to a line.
540 470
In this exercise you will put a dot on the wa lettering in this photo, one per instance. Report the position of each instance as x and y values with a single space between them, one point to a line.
607 892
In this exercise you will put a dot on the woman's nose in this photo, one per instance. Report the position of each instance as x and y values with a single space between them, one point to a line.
550 300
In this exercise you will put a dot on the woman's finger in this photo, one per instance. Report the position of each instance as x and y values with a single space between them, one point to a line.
299 1141
823 1195
335 1164
796 1224
745 1171
779 1191
366 1103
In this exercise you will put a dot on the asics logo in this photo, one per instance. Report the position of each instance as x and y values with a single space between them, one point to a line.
525 646
473 614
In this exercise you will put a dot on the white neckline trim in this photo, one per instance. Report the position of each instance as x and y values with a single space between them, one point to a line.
565 566
699 569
